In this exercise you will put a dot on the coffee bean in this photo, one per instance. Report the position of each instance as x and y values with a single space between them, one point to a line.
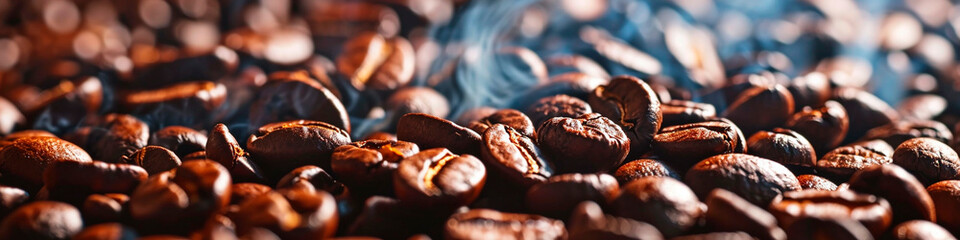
922 107
439 180
116 137
381 211
155 159
586 144
575 63
509 117
843 162
223 148
633 105
928 159
812 89
921 230
873 212
474 114
11 198
25 159
680 112
63 107
71 181
158 200
198 155
877 145
281 147
181 140
368 166
293 96
774 101
561 193
828 228
824 127
864 110
42 220
319 207
578 85
641 168
896 133
513 158
240 192
665 203
758 180
946 201
270 211
490 224
99 208
381 136
311 177
8 139
207 183
188 103
682 146
432 132
783 146
377 62
589 222
416 100
907 196
728 212
814 182
106 231
10 117
556 106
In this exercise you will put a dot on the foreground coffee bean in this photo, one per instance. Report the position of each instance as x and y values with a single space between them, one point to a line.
679 112
663 202
561 194
438 180
295 95
368 166
24 160
920 230
512 118
928 159
432 132
843 162
490 224
683 146
873 212
783 146
513 158
757 179
106 231
824 127
775 102
865 111
897 133
633 105
223 148
728 212
155 159
589 222
828 228
181 140
101 208
556 106
643 168
293 214
906 195
180 201
586 144
42 220
158 200
71 181
240 192
946 201
814 182
281 147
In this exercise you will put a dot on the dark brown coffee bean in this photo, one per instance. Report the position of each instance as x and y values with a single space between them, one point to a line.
381 211
896 133
843 162
589 222
513 158
293 96
311 177
775 102
437 179
783 146
921 230
416 100
575 84
824 127
270 211
663 202
491 224
11 198
865 111
240 192
158 200
509 117
556 106
586 144
679 112
217 227
377 62
180 140
8 139
682 146
873 212
759 180
814 182
106 231
728 212
428 131
368 166
155 159
24 160
812 89
223 148
281 147
474 114
930 160
633 105
42 220
908 197
828 228
922 107
877 145
561 193
317 211
10 117
207 183
198 155
67 180
117 137
381 136
640 168
188 103
946 201
98 208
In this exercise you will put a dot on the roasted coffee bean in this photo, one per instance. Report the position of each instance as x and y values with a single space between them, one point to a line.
680 112
217 227
921 230
525 60
930 160
775 102
578 85
223 148
240 192
474 114
682 146
575 63
589 222
207 183
561 193
381 136
556 106
99 208
64 106
896 133
783 146
188 103
824 127
586 144
10 117
312 177
724 97
828 228
381 211
812 89
416 100
922 107
814 182
117 137
181 140
907 196
663 202
198 155
946 201
633 105
728 212
491 224
368 166
512 157
293 96
8 139
864 110
24 160
318 214
509 117
377 62
42 220
11 198
843 162
640 168
877 145
106 231
159 201
758 180
873 212
281 147
439 180
155 159
67 180
432 132
270 211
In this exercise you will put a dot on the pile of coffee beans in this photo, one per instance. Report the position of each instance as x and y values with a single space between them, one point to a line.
316 119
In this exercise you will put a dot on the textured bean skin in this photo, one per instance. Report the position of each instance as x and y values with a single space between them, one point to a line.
759 180
588 143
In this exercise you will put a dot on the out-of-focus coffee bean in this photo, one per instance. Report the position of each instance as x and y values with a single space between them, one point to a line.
589 222
774 101
319 217
281 147
381 136
377 62
864 110
368 166
665 203
814 182
641 168
783 146
155 159
586 144
828 228
474 114
509 117
758 180
116 137
25 159
223 148
633 105
575 63
293 96
728 212
106 231
416 100
429 131
907 196
946 201
381 211
240 192
270 211
843 162
71 181
922 107
921 230
576 85
812 89
561 193
930 160
512 158
188 104
682 146
824 127
42 220
10 117
556 106
311 177
490 224
158 200
63 107
99 208
181 140
439 180
871 211
896 133
679 112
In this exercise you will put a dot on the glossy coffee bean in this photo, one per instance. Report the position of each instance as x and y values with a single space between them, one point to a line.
223 148
293 96
896 133
432 132
680 112
873 212
198 155
10 117
11 198
578 85
633 105
207 183
828 228
588 222
509 117
728 212
270 211
907 196
379 211
640 168
311 177
823 127
188 103
783 146
812 89
181 140
928 159
814 182
586 144
665 203
757 179
24 159
437 179
864 110
774 101
8 139
281 147
682 146
556 106
100 208
106 231
318 211
561 193
921 230
117 137
67 180
946 201
368 166
877 145
377 62
491 224
512 157
416 100
240 192
843 162
155 159
158 201
42 220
